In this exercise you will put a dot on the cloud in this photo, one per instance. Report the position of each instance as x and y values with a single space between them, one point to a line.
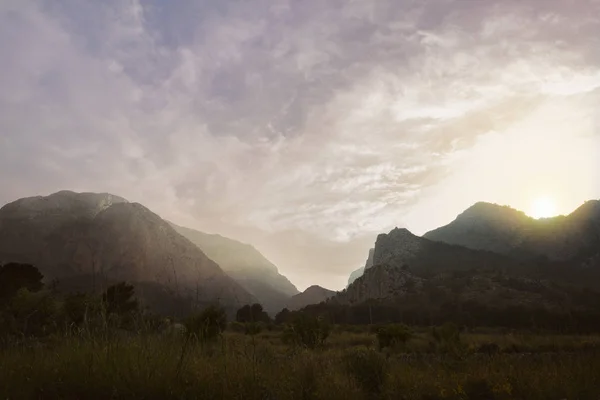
303 127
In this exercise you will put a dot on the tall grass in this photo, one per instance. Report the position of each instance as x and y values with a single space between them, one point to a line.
151 366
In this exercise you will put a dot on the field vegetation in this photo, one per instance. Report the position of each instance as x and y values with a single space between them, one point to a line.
81 346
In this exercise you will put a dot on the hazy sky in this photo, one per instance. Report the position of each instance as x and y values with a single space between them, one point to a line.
304 127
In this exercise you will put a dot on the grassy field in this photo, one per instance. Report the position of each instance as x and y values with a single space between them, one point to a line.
349 366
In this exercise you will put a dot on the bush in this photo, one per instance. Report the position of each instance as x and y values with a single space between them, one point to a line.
368 368
447 340
488 348
119 299
208 325
479 389
392 335
307 331
252 328
32 314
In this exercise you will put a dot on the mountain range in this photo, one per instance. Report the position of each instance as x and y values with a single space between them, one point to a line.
489 254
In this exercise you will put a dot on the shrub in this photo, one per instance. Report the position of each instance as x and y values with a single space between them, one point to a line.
14 276
368 368
447 340
32 313
392 335
488 348
307 331
208 325
252 328
119 299
479 389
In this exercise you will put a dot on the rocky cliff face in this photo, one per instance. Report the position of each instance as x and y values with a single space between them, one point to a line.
312 295
379 282
507 231
397 248
247 266
96 239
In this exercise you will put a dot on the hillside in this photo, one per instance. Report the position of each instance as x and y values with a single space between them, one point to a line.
247 266
88 240
312 295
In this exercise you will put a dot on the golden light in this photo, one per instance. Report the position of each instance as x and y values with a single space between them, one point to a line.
543 207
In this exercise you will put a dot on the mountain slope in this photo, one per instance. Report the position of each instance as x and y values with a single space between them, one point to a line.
247 266
503 230
96 239
312 295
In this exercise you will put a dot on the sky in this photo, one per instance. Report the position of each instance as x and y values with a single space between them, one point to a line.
305 127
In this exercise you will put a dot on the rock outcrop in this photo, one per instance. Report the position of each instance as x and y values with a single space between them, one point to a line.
379 282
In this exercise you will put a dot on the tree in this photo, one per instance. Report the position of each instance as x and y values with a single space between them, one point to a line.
119 299
15 276
283 316
252 313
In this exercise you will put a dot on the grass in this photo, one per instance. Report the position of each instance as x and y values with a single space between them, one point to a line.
151 366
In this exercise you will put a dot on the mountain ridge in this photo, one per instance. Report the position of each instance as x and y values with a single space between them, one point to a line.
102 237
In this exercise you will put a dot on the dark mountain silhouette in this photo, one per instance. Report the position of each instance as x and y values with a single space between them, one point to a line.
574 238
312 295
247 266
89 240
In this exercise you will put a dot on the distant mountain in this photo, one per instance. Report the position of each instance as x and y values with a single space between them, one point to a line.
89 240
247 266
358 273
421 281
504 230
312 295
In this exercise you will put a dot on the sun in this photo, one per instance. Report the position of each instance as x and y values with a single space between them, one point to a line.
543 207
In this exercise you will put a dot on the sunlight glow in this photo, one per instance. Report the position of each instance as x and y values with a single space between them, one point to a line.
543 207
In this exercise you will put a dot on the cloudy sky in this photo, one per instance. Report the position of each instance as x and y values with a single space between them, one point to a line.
304 127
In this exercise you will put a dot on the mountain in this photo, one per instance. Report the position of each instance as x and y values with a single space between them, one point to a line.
378 283
503 230
247 266
89 240
419 281
402 260
312 295
358 273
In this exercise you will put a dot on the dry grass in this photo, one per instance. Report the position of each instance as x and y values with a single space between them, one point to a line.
348 367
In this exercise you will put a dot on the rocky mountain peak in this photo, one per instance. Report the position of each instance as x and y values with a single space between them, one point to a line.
398 246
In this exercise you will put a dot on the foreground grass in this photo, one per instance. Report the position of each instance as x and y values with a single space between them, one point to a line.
241 367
